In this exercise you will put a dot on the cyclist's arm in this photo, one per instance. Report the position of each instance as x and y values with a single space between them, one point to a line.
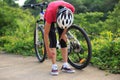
46 33
46 40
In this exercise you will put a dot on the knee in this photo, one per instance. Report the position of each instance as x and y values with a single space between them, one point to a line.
63 43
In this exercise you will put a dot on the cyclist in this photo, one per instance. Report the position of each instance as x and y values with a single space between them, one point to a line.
59 12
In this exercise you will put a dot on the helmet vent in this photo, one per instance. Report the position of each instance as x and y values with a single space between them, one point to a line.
65 18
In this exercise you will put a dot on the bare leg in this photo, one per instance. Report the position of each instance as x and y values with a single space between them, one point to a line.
54 57
54 70
64 54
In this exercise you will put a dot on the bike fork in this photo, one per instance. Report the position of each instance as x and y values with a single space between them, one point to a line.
36 32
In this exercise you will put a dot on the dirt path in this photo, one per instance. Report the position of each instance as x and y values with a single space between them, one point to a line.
15 67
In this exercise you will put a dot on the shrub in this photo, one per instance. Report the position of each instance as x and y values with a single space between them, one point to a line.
106 51
16 30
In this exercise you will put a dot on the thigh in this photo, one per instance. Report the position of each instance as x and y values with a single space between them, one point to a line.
52 36
60 31
62 42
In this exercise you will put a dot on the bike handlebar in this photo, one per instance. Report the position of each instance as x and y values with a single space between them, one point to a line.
41 5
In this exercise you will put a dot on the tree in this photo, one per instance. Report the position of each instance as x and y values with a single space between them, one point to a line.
93 5
112 23
100 5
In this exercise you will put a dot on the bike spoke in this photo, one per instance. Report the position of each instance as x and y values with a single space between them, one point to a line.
80 49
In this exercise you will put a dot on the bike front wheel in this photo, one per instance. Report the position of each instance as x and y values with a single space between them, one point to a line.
79 47
39 44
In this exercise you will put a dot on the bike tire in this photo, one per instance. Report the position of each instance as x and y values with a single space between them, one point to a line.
39 45
75 58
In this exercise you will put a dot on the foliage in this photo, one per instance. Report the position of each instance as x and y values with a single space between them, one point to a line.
16 30
93 5
113 20
105 38
11 3
106 51
91 22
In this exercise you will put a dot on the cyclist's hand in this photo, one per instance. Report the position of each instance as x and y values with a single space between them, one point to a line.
50 54
64 37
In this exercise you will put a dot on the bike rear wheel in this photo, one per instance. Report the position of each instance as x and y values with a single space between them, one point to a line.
39 44
79 47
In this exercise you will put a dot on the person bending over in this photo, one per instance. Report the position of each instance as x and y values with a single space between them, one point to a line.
59 12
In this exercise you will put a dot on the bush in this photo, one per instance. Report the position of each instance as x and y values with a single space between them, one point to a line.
91 22
105 38
18 46
106 51
16 30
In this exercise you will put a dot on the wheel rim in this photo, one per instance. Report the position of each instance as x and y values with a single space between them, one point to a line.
78 57
39 45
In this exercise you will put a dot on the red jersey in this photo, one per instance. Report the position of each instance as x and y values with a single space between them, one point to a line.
51 11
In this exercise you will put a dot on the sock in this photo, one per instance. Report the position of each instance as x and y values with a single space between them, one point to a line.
54 66
65 64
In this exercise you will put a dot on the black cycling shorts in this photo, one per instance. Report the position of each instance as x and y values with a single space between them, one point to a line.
52 37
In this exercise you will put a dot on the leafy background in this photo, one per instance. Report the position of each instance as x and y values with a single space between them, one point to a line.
100 18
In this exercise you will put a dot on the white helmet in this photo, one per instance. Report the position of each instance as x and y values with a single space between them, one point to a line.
64 18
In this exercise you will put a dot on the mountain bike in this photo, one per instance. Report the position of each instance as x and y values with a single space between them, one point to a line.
78 43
